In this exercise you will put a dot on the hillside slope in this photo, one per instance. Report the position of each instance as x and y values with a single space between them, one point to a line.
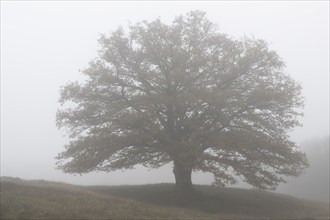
50 200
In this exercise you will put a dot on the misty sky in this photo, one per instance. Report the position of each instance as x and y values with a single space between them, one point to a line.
45 44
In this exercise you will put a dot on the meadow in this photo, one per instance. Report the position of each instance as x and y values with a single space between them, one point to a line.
38 199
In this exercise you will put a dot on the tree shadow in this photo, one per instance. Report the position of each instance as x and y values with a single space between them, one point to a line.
213 200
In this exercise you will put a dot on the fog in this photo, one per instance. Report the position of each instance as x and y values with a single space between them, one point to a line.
314 183
45 44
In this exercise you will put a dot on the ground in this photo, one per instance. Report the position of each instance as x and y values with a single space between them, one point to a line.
50 200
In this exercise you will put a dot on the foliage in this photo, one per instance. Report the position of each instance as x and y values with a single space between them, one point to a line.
187 94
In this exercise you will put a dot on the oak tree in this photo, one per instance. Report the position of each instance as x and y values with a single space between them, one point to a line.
186 94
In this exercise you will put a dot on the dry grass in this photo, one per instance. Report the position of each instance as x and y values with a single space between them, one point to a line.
49 200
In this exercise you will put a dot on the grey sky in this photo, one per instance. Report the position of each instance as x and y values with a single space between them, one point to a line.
44 44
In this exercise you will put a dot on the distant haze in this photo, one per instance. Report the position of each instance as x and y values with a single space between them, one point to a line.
314 183
45 44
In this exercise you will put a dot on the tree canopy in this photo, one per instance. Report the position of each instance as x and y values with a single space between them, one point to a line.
186 94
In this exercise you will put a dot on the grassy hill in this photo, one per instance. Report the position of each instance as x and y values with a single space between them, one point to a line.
50 200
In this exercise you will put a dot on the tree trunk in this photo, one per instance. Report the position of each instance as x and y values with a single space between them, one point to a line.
182 178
